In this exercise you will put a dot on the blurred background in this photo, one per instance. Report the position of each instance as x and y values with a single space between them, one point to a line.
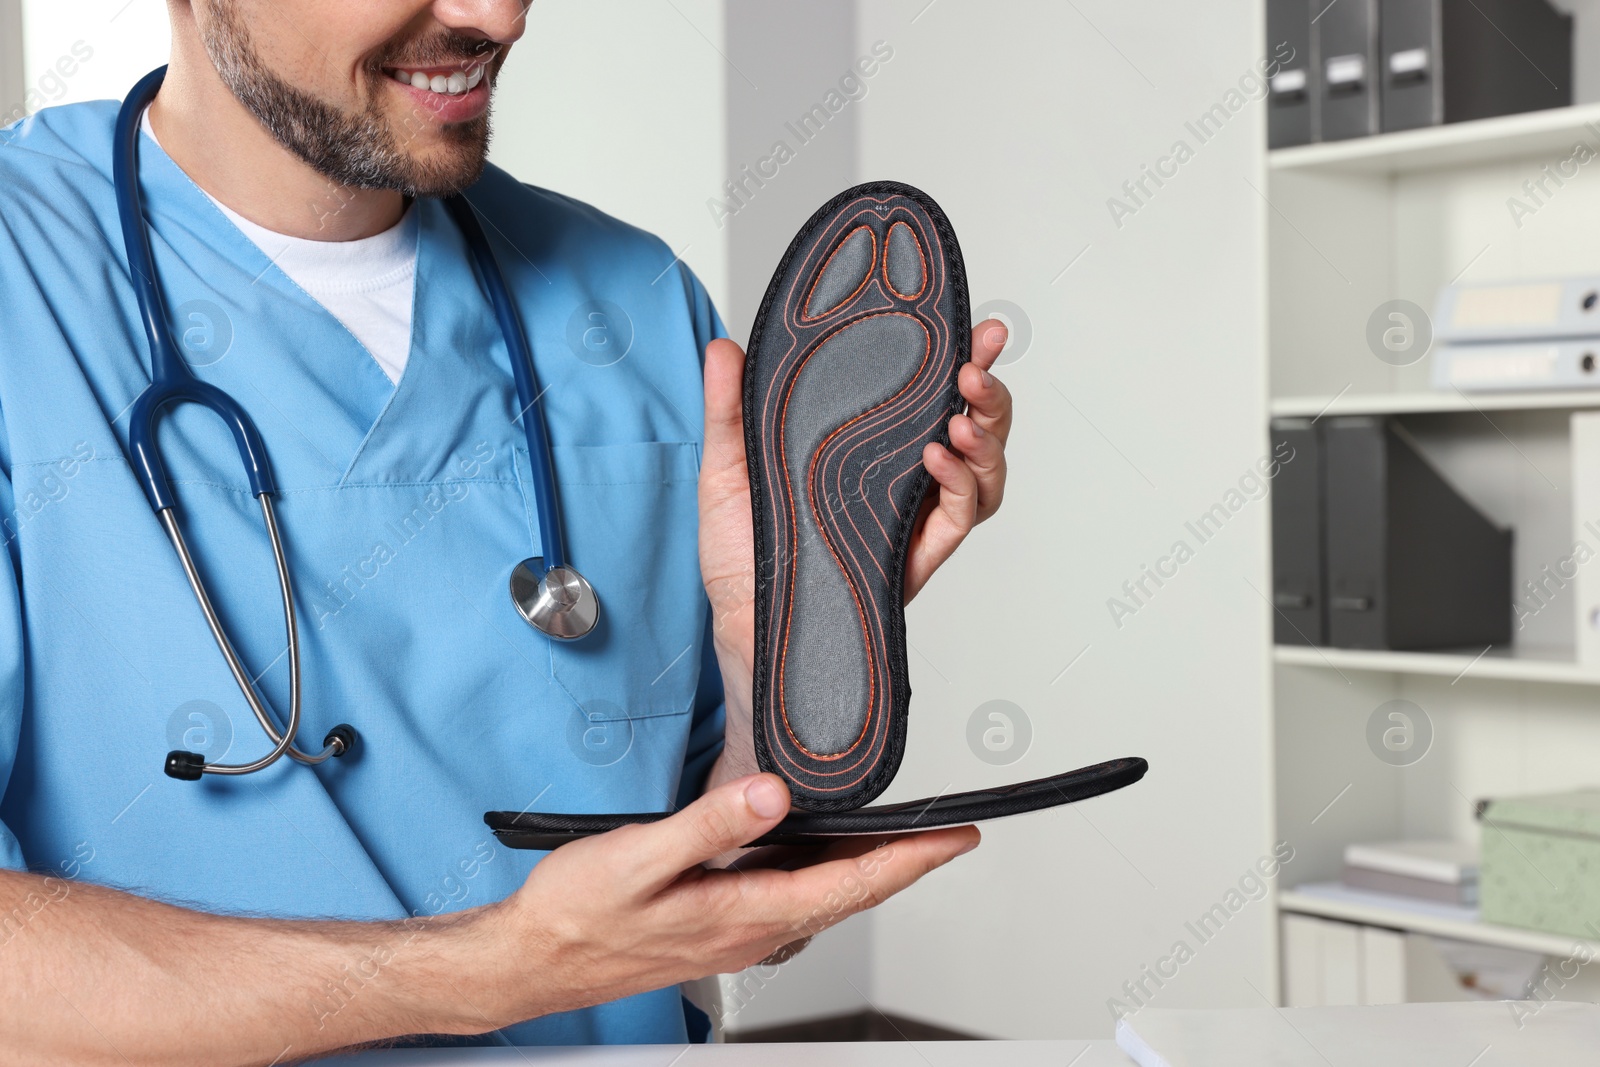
1303 462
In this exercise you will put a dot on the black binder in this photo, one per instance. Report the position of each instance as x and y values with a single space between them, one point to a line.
1411 564
1454 60
1291 88
1298 602
1345 42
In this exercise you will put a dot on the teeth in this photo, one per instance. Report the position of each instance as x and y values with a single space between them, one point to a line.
453 84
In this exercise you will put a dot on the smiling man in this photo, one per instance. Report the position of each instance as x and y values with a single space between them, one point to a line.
292 167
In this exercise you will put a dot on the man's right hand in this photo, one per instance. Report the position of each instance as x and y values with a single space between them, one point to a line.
636 909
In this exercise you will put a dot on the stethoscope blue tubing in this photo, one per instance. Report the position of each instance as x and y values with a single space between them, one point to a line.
171 381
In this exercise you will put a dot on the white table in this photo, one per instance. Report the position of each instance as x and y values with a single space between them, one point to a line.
852 1054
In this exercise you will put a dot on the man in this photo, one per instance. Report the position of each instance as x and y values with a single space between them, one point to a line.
290 165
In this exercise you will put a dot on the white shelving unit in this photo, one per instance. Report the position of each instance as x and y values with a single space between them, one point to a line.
1553 665
1421 921
1353 225
1424 403
1462 144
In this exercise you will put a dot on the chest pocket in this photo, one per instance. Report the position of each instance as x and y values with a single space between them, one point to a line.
631 519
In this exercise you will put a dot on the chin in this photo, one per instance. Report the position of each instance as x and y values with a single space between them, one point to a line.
446 169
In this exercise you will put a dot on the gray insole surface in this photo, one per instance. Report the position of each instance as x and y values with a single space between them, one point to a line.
904 261
843 275
826 676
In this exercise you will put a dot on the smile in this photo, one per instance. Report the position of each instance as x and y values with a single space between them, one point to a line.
445 83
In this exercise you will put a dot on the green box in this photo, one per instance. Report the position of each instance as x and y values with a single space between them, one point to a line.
1540 866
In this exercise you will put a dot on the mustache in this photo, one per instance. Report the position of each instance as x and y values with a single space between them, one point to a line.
439 50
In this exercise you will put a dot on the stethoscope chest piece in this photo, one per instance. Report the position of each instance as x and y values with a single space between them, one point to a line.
559 601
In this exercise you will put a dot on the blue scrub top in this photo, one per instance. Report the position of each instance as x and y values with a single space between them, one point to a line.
403 509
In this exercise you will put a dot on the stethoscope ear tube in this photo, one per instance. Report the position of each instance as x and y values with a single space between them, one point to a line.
528 392
145 415
547 590
191 765
135 237
171 383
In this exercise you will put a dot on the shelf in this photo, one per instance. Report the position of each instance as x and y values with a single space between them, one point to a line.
1517 664
1425 403
1532 133
1334 901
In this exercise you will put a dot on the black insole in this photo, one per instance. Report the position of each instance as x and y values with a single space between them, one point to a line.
544 830
851 372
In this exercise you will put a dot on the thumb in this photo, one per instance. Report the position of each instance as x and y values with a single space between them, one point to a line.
725 818
724 377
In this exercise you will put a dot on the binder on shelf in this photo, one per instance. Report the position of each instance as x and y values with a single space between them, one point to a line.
1290 90
1516 335
1455 60
1298 595
1410 563
1344 40
1585 531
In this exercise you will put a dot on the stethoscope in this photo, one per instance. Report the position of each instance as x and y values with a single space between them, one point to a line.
551 595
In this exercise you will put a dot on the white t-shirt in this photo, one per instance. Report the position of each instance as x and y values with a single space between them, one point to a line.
366 284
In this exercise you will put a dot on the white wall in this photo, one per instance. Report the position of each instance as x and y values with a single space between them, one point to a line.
11 69
620 103
1139 404
123 39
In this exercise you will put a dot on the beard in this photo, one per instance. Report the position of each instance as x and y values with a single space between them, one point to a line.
364 149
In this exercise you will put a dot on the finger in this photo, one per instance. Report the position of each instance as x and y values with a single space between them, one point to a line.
988 400
989 339
985 457
723 819
951 519
831 892
724 384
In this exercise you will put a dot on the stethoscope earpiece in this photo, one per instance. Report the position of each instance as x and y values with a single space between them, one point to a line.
190 766
557 601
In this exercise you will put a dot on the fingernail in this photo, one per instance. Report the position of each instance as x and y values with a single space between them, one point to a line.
968 847
979 430
988 380
765 798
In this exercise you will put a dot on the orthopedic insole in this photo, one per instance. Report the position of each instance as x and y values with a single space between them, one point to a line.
851 371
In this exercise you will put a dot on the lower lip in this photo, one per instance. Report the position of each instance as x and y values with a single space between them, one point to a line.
447 108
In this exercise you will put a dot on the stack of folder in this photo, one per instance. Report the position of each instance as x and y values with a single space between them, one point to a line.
1361 67
1373 548
1441 871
